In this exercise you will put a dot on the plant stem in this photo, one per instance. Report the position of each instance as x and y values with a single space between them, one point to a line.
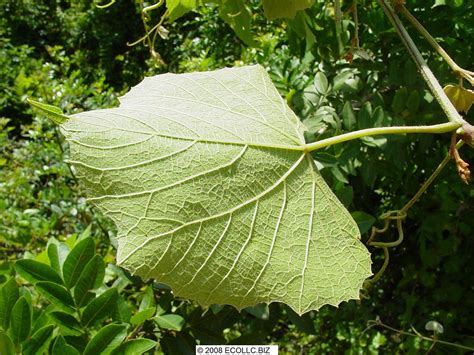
437 128
468 75
379 323
426 73
429 181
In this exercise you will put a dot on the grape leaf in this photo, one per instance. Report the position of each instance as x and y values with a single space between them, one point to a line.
208 180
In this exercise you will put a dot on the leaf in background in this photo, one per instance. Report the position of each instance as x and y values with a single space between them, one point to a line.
277 8
91 278
142 316
207 171
238 17
177 8
20 322
34 271
348 116
6 345
461 98
39 341
170 321
321 83
77 260
364 220
60 347
58 295
9 294
69 325
100 308
135 347
400 100
108 338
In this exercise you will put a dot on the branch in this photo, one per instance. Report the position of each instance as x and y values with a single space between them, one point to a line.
463 73
427 74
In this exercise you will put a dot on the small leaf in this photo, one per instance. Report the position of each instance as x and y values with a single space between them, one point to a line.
321 83
340 80
91 278
134 347
69 324
77 260
6 345
434 326
60 347
53 256
170 321
142 316
106 339
9 294
364 220
400 100
39 341
100 308
277 8
348 116
20 323
364 117
413 102
57 295
54 113
461 98
34 271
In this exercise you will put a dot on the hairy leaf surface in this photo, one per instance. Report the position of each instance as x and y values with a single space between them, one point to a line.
207 179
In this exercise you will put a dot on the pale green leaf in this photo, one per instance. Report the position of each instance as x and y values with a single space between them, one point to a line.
288 8
208 180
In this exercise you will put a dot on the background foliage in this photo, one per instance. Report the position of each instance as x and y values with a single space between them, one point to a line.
74 55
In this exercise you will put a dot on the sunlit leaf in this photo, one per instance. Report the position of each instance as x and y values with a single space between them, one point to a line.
208 181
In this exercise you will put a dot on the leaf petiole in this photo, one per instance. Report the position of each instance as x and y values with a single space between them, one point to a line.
437 128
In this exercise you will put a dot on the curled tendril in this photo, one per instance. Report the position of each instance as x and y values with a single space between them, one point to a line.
106 5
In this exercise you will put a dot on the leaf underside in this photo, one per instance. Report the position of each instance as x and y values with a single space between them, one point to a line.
206 178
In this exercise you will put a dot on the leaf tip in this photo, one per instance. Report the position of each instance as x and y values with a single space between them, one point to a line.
54 113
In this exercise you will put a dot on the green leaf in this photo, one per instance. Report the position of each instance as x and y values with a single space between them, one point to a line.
142 316
34 271
77 260
20 323
58 295
69 325
39 341
277 8
108 338
177 8
9 294
364 220
54 113
60 347
400 100
321 83
348 116
364 118
6 345
208 171
91 278
135 347
170 321
238 17
100 308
